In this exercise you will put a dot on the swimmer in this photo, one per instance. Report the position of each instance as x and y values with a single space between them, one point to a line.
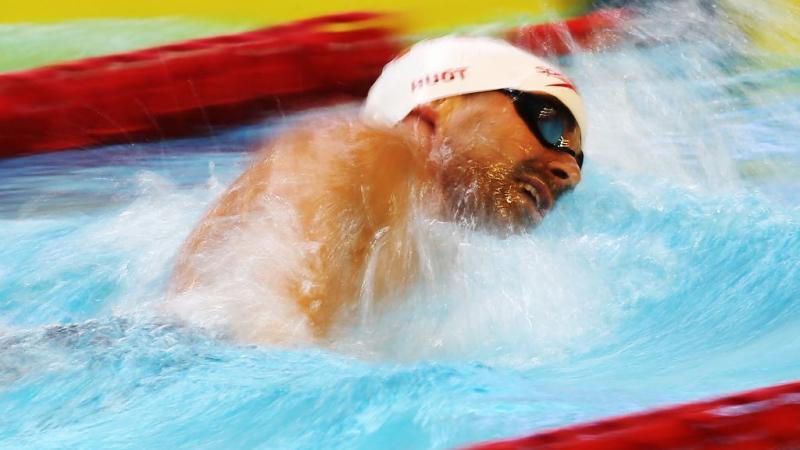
461 129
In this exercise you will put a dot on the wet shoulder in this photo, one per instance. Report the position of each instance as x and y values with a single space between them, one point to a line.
341 139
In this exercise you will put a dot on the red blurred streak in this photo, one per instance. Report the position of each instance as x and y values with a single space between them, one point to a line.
191 87
197 86
594 31
763 419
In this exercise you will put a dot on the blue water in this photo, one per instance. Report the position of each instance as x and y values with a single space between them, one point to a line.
671 273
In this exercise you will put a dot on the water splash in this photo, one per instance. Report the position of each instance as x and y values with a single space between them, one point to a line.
670 273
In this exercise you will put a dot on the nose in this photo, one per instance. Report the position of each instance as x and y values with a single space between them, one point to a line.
564 174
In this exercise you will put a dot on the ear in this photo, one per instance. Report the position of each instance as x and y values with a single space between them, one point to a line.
425 119
422 120
424 113
434 112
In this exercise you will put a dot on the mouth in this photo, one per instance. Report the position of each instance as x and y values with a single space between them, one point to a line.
537 194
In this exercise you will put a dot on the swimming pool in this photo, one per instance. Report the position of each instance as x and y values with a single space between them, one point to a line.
671 273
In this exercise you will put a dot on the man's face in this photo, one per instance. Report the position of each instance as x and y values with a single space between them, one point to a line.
494 170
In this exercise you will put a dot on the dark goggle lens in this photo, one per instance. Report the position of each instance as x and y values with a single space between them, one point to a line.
548 121
552 126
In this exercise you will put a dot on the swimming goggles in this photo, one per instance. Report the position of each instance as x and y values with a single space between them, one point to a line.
547 119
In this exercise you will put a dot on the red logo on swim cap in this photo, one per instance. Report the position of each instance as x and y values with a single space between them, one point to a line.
444 76
556 74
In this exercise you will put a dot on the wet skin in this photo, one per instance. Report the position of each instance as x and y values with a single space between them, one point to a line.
492 169
354 187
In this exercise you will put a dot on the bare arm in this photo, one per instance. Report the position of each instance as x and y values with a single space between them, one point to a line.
351 188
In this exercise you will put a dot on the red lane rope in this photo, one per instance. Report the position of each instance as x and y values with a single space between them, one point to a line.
191 87
196 86
763 419
594 31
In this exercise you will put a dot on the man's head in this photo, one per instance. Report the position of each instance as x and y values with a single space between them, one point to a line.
504 127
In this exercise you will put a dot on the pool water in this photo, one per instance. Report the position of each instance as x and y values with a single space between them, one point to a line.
671 273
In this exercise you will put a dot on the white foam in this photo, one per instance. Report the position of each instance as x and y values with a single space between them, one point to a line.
238 293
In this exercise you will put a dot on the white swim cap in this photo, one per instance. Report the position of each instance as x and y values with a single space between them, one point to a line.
450 66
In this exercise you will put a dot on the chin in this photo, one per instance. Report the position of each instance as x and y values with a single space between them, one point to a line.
515 209
501 217
497 198
519 223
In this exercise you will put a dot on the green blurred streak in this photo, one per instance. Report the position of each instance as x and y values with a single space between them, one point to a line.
26 46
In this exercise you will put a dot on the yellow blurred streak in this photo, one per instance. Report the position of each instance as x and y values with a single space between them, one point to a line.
419 15
773 25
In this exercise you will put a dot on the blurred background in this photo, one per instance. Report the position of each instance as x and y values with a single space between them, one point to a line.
670 274
36 32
